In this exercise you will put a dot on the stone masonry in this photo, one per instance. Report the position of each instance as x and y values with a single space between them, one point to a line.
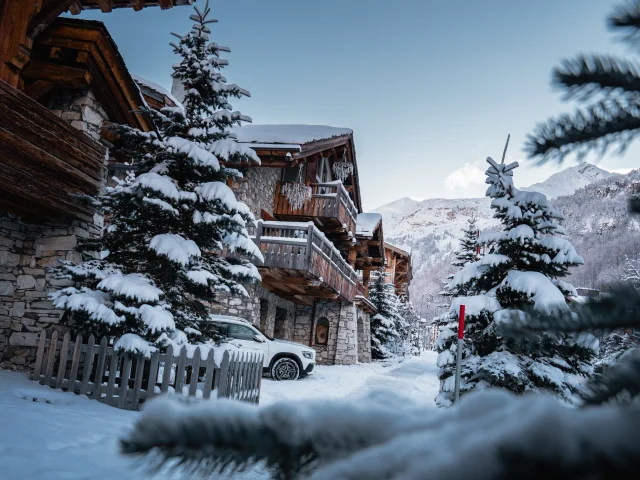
27 251
79 108
257 189
342 346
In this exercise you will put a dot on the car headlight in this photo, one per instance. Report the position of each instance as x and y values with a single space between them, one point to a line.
308 355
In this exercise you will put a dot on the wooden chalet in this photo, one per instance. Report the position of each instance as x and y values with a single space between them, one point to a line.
399 267
326 265
61 80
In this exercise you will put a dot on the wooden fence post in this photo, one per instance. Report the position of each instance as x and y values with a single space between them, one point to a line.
39 356
97 382
75 363
224 375
51 358
64 352
208 375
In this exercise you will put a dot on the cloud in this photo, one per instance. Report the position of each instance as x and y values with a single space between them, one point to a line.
466 176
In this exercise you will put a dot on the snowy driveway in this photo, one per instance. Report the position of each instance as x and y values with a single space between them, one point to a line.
52 435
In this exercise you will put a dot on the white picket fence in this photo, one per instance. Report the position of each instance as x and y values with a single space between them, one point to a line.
97 371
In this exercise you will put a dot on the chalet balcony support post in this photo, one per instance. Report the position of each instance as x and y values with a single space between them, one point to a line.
309 255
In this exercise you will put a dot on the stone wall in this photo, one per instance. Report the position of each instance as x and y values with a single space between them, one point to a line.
249 309
257 188
342 344
79 108
364 337
27 251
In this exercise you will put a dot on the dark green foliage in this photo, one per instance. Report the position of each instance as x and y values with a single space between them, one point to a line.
611 84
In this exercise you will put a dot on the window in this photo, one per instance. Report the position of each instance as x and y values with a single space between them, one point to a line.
324 170
240 332
322 331
290 174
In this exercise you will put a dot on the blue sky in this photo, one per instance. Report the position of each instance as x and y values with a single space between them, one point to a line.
430 88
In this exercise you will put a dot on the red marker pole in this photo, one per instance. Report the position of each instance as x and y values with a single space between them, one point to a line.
459 352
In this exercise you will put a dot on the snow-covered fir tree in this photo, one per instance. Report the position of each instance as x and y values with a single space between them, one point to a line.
522 273
409 331
615 345
176 234
468 251
387 324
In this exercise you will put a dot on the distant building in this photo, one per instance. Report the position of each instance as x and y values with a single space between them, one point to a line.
399 268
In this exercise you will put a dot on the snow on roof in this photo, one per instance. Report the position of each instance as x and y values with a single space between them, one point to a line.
155 87
367 223
291 135
397 249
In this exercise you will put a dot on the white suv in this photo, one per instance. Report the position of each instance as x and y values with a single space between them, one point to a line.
282 359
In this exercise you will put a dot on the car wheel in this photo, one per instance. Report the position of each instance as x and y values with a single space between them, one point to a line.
285 369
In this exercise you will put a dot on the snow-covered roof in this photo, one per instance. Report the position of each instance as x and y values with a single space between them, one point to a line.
367 223
156 88
289 135
397 249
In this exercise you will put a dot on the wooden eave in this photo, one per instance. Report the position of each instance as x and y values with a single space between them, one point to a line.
108 5
22 21
87 45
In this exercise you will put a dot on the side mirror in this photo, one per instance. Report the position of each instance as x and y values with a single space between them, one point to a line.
258 338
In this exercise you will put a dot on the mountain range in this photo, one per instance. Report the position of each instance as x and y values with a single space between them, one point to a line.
593 201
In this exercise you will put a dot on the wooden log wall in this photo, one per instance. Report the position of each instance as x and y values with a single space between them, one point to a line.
43 160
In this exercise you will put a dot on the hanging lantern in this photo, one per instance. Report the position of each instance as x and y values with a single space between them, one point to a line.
297 193
343 168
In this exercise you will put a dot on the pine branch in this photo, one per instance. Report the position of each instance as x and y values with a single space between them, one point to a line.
622 381
615 310
290 439
626 18
598 128
585 77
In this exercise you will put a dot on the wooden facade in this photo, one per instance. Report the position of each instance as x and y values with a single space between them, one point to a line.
399 268
22 22
330 208
44 161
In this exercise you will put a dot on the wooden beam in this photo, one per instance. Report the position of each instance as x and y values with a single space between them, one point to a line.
164 4
48 14
39 88
106 6
58 74
137 5
76 7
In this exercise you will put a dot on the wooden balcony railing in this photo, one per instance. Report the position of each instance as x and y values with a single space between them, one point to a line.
301 250
329 203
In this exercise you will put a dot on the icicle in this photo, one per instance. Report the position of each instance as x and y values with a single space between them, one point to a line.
343 168
297 193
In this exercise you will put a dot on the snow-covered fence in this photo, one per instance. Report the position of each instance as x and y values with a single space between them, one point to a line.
102 374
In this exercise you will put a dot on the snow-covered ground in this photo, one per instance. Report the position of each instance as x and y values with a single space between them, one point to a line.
48 434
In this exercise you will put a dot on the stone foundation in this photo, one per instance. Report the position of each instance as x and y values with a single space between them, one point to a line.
27 251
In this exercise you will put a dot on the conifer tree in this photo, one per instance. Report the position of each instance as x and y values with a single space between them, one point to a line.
176 233
386 324
468 251
523 273
411 334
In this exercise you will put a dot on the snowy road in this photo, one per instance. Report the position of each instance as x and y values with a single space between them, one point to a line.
52 435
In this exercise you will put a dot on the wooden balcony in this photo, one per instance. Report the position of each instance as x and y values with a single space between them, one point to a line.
330 208
301 263
44 161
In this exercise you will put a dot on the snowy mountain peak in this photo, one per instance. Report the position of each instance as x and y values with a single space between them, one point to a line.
567 181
